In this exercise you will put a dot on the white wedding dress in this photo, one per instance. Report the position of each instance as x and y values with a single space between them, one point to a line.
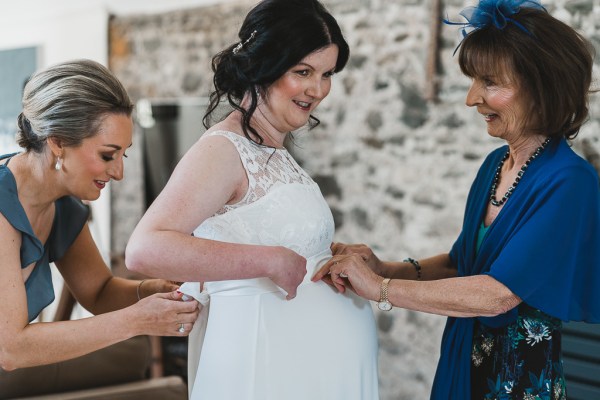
255 344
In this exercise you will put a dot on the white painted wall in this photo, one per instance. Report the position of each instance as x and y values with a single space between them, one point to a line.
69 29
61 32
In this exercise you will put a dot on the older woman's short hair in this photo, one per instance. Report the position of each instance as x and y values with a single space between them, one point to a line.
548 60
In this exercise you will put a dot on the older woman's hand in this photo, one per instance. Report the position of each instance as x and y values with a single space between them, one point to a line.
361 249
353 272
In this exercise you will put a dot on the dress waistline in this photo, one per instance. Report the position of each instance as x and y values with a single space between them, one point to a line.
243 287
250 287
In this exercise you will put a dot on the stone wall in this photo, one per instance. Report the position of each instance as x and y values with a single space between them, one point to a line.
394 166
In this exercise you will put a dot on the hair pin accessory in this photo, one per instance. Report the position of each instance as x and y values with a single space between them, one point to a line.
494 12
241 45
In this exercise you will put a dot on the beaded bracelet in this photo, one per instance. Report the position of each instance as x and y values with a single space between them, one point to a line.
417 266
137 290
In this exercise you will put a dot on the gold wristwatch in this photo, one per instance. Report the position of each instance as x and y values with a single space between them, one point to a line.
384 304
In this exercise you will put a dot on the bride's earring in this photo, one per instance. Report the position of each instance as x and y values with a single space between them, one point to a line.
58 164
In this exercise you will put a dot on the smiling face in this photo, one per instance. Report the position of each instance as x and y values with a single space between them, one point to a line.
503 105
291 99
87 168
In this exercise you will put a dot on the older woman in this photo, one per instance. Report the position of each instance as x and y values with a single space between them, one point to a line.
528 256
75 128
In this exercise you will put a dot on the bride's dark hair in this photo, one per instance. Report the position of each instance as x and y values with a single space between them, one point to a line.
275 36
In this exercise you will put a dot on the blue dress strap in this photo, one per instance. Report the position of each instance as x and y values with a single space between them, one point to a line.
69 219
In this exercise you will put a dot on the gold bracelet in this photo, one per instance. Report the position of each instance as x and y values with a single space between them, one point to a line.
137 290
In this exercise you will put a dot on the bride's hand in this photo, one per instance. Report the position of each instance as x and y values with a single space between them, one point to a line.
287 270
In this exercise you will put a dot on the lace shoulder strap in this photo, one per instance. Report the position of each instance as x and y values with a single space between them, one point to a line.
265 167
242 145
251 156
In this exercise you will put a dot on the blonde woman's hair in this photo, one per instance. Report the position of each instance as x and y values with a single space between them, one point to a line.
69 101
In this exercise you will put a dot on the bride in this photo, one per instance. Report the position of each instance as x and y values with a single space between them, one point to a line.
241 216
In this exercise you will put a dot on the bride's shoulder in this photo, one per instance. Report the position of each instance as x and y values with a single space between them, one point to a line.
226 128
215 148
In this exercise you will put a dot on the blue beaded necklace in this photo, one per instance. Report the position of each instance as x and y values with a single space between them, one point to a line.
511 189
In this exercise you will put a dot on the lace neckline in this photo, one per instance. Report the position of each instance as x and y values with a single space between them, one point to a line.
265 167
261 146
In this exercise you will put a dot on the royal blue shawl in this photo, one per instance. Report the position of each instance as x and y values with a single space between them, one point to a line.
544 246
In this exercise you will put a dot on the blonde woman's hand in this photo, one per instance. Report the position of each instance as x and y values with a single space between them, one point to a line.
149 287
164 314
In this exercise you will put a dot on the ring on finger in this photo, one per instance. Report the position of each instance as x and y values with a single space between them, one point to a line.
181 328
343 275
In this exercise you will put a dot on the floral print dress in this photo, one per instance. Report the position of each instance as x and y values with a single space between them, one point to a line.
518 361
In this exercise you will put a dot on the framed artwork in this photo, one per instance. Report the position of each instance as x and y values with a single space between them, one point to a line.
16 66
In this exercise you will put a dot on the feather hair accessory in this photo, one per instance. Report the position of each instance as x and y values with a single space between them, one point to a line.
494 12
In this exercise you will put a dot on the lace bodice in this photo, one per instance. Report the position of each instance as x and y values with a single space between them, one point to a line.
282 207
265 167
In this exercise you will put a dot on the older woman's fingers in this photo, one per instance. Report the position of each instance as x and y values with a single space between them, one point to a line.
339 284
337 248
323 271
327 280
338 278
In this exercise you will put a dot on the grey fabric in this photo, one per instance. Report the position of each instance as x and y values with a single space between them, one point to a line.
165 388
123 362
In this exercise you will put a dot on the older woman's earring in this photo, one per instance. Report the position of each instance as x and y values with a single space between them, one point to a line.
58 164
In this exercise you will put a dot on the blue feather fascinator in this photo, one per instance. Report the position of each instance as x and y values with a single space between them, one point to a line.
494 12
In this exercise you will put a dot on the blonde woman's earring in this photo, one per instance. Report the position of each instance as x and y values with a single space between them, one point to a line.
58 164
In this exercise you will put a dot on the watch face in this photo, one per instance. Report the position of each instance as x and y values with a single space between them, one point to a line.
384 305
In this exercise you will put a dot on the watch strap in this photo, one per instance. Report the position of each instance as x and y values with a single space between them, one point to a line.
383 295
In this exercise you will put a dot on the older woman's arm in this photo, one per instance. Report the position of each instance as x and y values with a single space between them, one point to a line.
433 268
448 295
471 296
430 269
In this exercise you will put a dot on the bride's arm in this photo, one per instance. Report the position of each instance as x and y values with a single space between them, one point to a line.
209 176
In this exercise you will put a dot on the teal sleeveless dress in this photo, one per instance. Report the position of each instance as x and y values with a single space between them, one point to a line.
69 219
